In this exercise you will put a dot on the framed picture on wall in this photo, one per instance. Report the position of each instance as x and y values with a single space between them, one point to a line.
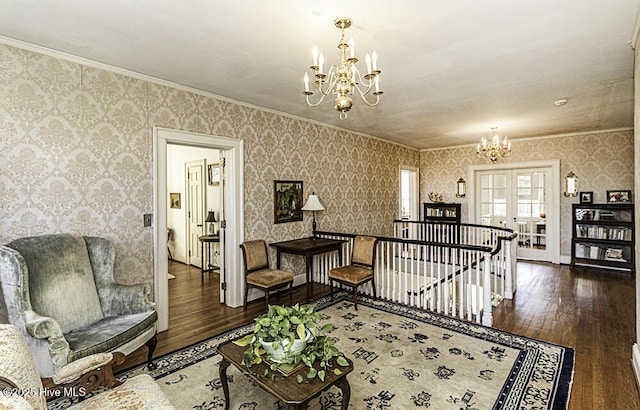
174 200
619 196
287 201
213 174
586 197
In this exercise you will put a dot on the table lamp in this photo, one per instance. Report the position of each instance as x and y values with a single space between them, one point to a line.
313 204
211 218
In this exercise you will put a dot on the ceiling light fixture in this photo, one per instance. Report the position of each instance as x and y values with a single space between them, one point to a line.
344 80
494 149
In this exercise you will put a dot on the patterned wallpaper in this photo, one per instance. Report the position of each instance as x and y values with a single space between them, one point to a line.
602 161
76 156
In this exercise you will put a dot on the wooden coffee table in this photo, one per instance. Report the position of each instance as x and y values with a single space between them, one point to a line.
295 395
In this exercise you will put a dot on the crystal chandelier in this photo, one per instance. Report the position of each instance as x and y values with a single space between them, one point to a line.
494 149
344 80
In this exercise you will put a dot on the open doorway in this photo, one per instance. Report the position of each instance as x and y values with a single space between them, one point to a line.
232 235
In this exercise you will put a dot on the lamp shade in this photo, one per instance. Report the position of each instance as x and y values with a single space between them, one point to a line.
313 204
211 217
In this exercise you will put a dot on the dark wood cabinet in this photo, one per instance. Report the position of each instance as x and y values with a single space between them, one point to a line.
603 236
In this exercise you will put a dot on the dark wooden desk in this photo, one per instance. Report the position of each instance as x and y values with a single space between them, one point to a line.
308 247
208 239
293 394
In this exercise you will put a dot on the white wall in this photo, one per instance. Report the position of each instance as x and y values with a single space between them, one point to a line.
177 156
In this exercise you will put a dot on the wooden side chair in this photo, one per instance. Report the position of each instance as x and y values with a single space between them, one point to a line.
360 270
258 274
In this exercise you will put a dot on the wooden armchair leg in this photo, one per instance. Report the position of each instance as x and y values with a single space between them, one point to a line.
151 345
355 296
291 294
331 285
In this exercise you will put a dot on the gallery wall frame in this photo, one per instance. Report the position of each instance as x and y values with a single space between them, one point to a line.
287 201
213 174
174 200
586 197
619 196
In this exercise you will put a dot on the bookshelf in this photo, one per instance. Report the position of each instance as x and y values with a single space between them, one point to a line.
441 212
603 236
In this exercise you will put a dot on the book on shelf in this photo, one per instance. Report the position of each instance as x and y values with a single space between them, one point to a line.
614 254
603 232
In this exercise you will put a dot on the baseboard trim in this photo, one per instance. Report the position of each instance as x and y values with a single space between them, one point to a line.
636 362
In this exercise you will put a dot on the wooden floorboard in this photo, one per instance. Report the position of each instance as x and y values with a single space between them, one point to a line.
591 310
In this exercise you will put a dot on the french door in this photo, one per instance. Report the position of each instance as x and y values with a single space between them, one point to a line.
521 199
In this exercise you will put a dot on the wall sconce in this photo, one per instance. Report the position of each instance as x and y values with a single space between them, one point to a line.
461 190
571 185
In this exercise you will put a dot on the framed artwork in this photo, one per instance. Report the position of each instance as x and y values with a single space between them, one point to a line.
213 174
619 196
586 197
174 200
287 201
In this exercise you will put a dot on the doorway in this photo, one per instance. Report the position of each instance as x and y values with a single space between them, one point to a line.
523 197
232 150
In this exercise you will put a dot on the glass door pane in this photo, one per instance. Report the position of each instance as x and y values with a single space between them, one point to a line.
493 199
531 209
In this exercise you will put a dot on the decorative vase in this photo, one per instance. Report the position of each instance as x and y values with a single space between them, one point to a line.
280 352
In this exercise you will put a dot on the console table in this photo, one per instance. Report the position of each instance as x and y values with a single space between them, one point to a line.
308 247
286 388
208 239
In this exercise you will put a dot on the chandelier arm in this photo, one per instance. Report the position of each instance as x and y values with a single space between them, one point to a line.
331 82
371 104
315 104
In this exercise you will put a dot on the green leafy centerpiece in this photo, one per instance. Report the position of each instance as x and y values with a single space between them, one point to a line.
287 337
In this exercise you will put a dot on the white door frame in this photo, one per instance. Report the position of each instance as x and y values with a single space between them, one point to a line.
553 218
234 206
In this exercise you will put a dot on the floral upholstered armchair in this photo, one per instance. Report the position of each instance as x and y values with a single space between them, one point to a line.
23 389
59 291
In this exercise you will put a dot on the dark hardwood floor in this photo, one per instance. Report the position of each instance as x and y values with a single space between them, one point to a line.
591 310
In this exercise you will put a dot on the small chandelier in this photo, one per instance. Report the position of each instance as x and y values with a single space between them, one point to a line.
494 149
344 80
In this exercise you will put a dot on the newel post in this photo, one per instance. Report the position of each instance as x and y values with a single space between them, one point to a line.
487 317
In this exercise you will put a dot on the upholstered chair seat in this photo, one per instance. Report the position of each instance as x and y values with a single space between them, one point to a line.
258 274
269 278
59 291
361 268
18 373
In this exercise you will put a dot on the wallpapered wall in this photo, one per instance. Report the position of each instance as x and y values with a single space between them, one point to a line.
636 194
602 161
76 156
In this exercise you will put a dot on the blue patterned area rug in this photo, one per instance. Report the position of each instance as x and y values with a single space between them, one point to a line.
404 358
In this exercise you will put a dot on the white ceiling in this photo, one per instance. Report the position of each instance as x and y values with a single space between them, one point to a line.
450 70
